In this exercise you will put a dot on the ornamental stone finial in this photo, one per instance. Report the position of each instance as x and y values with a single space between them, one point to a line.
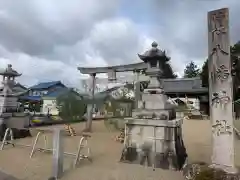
154 44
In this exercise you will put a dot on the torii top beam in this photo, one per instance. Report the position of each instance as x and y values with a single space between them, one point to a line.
119 68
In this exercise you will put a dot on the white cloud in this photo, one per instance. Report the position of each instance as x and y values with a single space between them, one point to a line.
48 40
36 69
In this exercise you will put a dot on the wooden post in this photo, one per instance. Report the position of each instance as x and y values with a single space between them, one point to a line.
220 90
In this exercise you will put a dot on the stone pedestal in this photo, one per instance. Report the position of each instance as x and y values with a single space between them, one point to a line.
154 135
154 142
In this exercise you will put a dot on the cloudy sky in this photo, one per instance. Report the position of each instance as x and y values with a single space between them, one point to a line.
48 39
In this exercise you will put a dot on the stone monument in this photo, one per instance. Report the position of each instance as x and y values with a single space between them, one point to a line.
8 101
221 90
153 134
9 118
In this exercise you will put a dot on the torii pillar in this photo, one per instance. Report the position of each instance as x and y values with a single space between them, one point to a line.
90 105
137 91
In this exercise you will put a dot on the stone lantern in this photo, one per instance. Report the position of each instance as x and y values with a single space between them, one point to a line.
156 59
153 134
7 98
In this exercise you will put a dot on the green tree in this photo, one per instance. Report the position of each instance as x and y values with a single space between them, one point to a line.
235 52
235 56
71 108
168 72
191 70
204 74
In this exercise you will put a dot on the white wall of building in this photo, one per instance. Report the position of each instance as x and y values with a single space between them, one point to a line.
51 106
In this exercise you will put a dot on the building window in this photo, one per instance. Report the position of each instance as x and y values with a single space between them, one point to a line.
30 93
44 92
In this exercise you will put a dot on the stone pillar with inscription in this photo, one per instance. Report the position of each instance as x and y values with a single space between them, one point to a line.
221 90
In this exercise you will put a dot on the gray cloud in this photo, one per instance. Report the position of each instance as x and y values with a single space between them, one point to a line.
47 40
185 23
37 27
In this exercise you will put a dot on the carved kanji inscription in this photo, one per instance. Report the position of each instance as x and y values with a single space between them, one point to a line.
220 98
221 127
222 73
217 23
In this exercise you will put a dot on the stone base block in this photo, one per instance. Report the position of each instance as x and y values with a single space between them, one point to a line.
167 160
157 114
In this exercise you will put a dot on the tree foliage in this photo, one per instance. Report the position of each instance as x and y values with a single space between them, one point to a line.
168 72
235 56
191 70
70 107
235 52
204 74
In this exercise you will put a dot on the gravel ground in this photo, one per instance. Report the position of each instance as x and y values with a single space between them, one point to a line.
106 154
4 176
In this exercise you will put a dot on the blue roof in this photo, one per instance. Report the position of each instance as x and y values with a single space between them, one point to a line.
53 94
60 91
31 98
57 92
46 85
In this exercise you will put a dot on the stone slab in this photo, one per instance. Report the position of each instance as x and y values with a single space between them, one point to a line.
157 123
162 114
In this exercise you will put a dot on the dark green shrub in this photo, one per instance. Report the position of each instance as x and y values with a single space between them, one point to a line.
202 171
210 174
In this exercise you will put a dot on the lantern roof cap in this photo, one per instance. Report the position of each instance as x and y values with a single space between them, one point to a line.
153 54
9 71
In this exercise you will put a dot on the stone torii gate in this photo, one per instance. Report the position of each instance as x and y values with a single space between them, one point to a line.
111 71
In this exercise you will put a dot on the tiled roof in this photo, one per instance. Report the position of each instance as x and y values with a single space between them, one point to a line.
31 98
20 85
57 92
60 91
17 87
179 85
183 85
46 85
